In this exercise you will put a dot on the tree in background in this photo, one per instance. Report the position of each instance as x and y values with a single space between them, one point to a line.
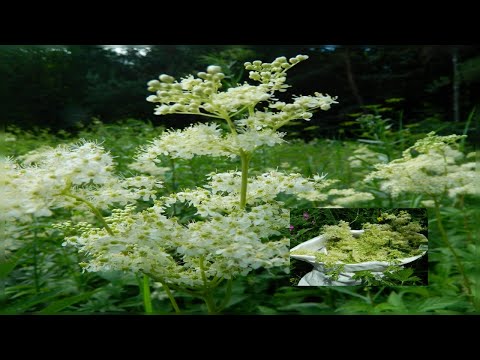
63 87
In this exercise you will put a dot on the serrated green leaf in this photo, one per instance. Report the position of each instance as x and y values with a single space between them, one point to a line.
401 275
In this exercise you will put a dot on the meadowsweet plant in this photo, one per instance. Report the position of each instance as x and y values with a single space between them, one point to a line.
238 219
435 169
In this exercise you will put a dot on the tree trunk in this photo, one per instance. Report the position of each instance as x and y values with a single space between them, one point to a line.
351 78
456 86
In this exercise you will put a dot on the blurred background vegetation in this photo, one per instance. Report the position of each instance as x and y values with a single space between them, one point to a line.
63 87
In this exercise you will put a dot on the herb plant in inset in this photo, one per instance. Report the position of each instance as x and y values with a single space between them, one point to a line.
394 239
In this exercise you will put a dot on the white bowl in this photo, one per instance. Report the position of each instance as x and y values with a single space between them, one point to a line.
318 244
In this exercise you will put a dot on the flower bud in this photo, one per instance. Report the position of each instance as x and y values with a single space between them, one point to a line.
302 57
166 78
214 69
153 83
177 107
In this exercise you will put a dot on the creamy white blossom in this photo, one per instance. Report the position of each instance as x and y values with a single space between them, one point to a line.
238 221
56 177
346 197
432 167
229 240
248 127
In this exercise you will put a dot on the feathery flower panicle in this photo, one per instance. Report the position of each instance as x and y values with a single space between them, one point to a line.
231 241
51 178
238 219
249 127
433 166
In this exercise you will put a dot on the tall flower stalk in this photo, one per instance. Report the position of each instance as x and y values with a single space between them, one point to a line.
198 258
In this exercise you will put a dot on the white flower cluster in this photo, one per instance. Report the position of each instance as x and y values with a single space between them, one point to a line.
273 74
228 240
301 108
234 230
432 167
346 197
201 139
249 128
52 177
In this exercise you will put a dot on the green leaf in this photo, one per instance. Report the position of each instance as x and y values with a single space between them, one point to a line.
385 307
235 299
401 275
7 267
25 305
349 292
422 291
306 308
66 302
290 292
354 307
265 310
396 301
303 231
438 303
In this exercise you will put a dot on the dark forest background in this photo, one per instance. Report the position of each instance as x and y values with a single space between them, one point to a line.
65 87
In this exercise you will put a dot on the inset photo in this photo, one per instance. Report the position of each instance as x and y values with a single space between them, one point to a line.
358 246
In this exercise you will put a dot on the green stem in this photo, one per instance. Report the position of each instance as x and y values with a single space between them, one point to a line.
145 287
70 266
35 258
209 302
230 123
147 300
207 295
200 113
173 183
228 295
170 296
444 236
95 211
245 158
